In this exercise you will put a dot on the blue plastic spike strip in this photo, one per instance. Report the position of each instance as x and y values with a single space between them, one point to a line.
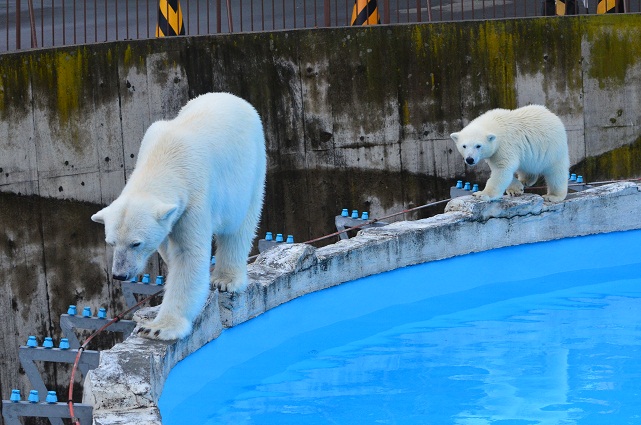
72 310
86 312
64 344
52 397
269 236
32 342
290 239
279 237
15 396
48 343
33 396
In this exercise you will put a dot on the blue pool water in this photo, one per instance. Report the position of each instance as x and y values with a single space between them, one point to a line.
548 333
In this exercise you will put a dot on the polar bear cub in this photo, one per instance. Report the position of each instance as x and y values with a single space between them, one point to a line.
198 175
519 145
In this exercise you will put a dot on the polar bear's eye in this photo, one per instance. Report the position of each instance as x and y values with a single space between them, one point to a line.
478 146
135 244
464 146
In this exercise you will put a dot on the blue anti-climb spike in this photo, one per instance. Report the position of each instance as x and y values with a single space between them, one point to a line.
102 313
354 213
213 260
64 344
145 278
573 177
579 179
279 237
52 398
33 396
15 396
134 279
365 215
72 310
290 239
475 188
48 342
269 236
467 186
86 312
32 341
160 280
345 212
459 184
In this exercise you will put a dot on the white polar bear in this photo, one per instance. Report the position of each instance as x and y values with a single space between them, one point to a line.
198 175
528 141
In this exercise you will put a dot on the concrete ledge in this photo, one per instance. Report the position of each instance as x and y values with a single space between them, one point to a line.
125 388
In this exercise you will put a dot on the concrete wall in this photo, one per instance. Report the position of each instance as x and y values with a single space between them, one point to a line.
355 117
379 98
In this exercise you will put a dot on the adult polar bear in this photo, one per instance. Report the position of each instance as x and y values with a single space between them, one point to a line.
528 141
198 175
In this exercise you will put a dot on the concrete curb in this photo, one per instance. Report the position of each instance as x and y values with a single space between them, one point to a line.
125 388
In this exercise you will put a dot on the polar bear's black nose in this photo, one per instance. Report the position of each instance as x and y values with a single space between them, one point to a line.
469 160
118 277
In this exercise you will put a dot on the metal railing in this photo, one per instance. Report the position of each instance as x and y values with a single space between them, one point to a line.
48 23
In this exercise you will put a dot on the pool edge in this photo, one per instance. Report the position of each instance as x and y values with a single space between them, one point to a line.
126 386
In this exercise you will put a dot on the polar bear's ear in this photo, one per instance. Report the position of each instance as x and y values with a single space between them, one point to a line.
454 137
165 212
491 137
99 217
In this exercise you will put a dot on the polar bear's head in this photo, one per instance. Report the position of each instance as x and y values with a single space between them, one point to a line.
135 228
474 145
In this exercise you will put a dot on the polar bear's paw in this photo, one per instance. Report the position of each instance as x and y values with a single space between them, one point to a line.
228 282
553 198
166 329
515 188
482 196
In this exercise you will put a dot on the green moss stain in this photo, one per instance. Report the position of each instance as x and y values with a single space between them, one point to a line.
69 72
620 163
496 42
14 86
614 46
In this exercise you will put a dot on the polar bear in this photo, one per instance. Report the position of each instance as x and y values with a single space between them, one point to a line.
519 145
197 175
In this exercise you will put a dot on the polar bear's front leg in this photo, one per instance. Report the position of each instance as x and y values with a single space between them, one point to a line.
230 272
496 185
185 295
515 188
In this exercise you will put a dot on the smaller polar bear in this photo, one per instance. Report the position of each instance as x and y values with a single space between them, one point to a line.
519 145
198 175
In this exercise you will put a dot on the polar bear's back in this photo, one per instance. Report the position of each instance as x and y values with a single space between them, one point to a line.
531 119
213 150
532 133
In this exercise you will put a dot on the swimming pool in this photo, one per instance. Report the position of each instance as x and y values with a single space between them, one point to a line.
547 333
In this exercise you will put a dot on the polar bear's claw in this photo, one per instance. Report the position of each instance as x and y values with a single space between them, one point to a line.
166 330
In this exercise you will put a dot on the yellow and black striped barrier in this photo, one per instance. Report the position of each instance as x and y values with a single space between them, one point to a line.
170 19
610 6
365 13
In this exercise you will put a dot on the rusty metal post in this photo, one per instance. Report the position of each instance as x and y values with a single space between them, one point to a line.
328 13
32 23
386 11
219 21
18 24
230 22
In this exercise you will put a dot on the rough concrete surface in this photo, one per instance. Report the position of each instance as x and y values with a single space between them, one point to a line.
126 386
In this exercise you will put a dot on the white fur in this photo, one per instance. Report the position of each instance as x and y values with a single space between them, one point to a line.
528 141
198 175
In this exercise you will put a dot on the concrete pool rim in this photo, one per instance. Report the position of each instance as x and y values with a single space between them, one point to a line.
125 388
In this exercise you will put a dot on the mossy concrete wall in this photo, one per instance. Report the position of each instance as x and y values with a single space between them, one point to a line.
376 98
354 117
